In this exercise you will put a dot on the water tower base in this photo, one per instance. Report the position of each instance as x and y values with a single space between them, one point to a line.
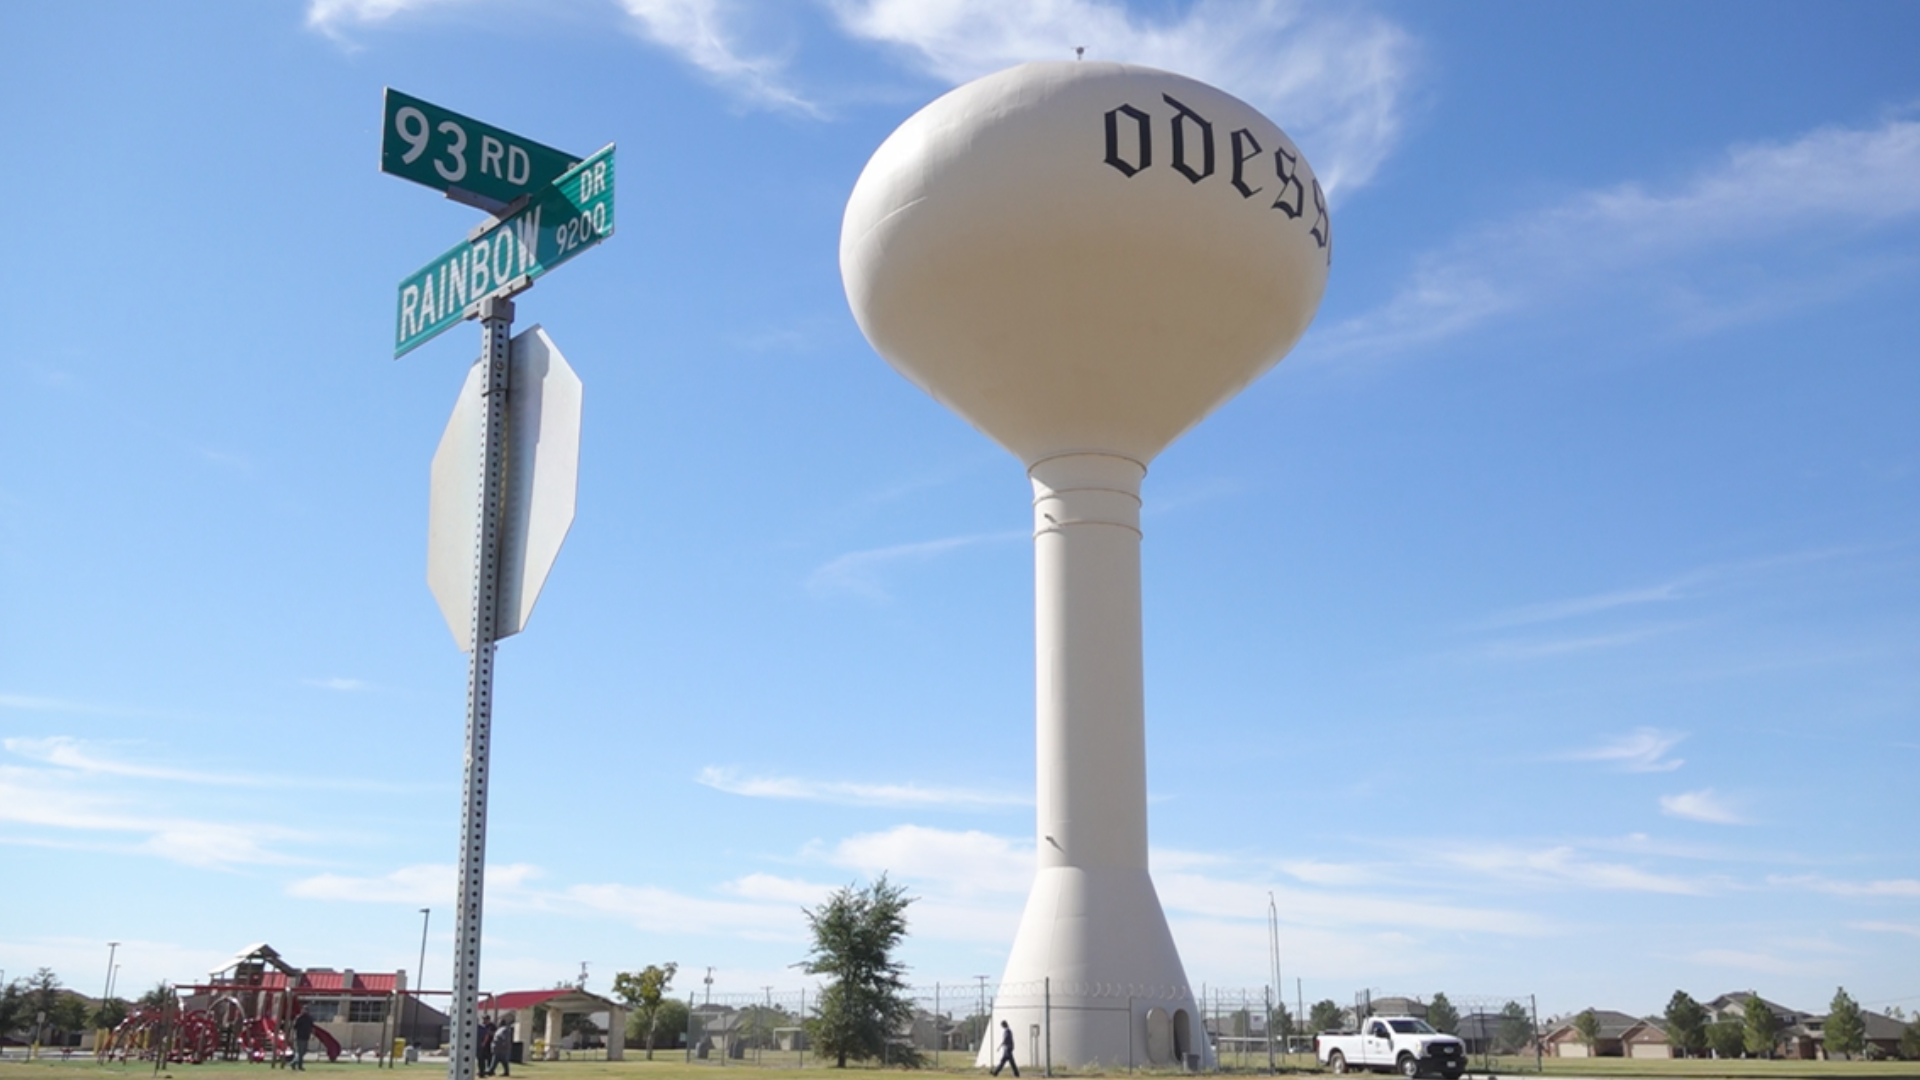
1095 980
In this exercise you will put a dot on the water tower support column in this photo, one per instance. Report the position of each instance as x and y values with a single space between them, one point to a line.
1093 923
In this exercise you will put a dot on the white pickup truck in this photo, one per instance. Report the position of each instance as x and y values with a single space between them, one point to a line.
1393 1043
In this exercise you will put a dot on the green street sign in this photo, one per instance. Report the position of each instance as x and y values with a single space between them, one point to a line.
461 156
556 223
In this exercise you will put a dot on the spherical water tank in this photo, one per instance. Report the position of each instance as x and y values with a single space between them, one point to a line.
1084 256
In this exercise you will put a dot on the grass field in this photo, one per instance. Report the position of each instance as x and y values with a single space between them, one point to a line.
673 1067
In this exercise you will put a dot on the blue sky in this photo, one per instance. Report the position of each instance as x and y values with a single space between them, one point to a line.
1548 622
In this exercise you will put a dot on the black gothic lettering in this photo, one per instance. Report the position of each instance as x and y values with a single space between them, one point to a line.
1143 124
1240 160
1180 141
1322 224
1288 168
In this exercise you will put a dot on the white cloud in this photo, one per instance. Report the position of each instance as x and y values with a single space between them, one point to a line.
1904 888
1586 605
50 799
425 883
1332 77
659 910
849 793
1537 649
1643 750
1887 928
81 756
1562 866
69 753
332 17
859 572
956 863
1827 179
1747 960
1702 805
707 34
1325 873
1215 897
784 890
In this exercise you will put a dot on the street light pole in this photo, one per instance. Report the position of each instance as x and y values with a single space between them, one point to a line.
112 947
420 978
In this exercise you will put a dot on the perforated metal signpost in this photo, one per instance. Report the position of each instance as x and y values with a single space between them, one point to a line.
548 206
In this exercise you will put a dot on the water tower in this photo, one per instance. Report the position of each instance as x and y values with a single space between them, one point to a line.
1084 260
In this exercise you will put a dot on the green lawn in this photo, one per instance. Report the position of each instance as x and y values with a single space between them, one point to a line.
674 1067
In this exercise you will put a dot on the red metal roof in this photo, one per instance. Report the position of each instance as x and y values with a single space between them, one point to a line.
521 999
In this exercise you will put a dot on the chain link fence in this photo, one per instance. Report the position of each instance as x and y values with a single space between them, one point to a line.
1248 1029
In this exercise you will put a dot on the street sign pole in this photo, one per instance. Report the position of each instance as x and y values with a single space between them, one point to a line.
496 326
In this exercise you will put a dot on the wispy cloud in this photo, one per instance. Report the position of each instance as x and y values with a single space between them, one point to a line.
1536 649
1642 750
36 703
1586 605
1887 928
48 799
1220 897
334 17
1748 960
82 756
959 862
1901 888
426 883
859 572
657 910
345 686
1334 78
851 793
1562 866
70 753
1703 805
1829 178
709 35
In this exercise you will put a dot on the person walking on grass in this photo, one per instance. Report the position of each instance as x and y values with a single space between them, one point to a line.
302 1033
483 1048
1006 1051
503 1049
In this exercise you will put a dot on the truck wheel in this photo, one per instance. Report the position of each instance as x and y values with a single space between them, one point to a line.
1337 1061
1409 1066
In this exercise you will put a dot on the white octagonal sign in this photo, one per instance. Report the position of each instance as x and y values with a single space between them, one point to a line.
543 466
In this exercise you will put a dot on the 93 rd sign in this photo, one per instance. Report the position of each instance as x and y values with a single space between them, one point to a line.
474 163
553 225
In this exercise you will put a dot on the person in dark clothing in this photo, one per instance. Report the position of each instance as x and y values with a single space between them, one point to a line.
302 1032
483 1048
1006 1051
503 1049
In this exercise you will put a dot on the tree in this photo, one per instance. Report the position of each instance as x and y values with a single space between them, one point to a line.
1686 1024
1514 1030
1910 1041
854 935
1726 1038
644 992
1281 1022
43 993
581 1024
160 997
109 1014
68 1015
1845 1030
1443 1016
13 1008
1587 1026
1761 1028
1325 1016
